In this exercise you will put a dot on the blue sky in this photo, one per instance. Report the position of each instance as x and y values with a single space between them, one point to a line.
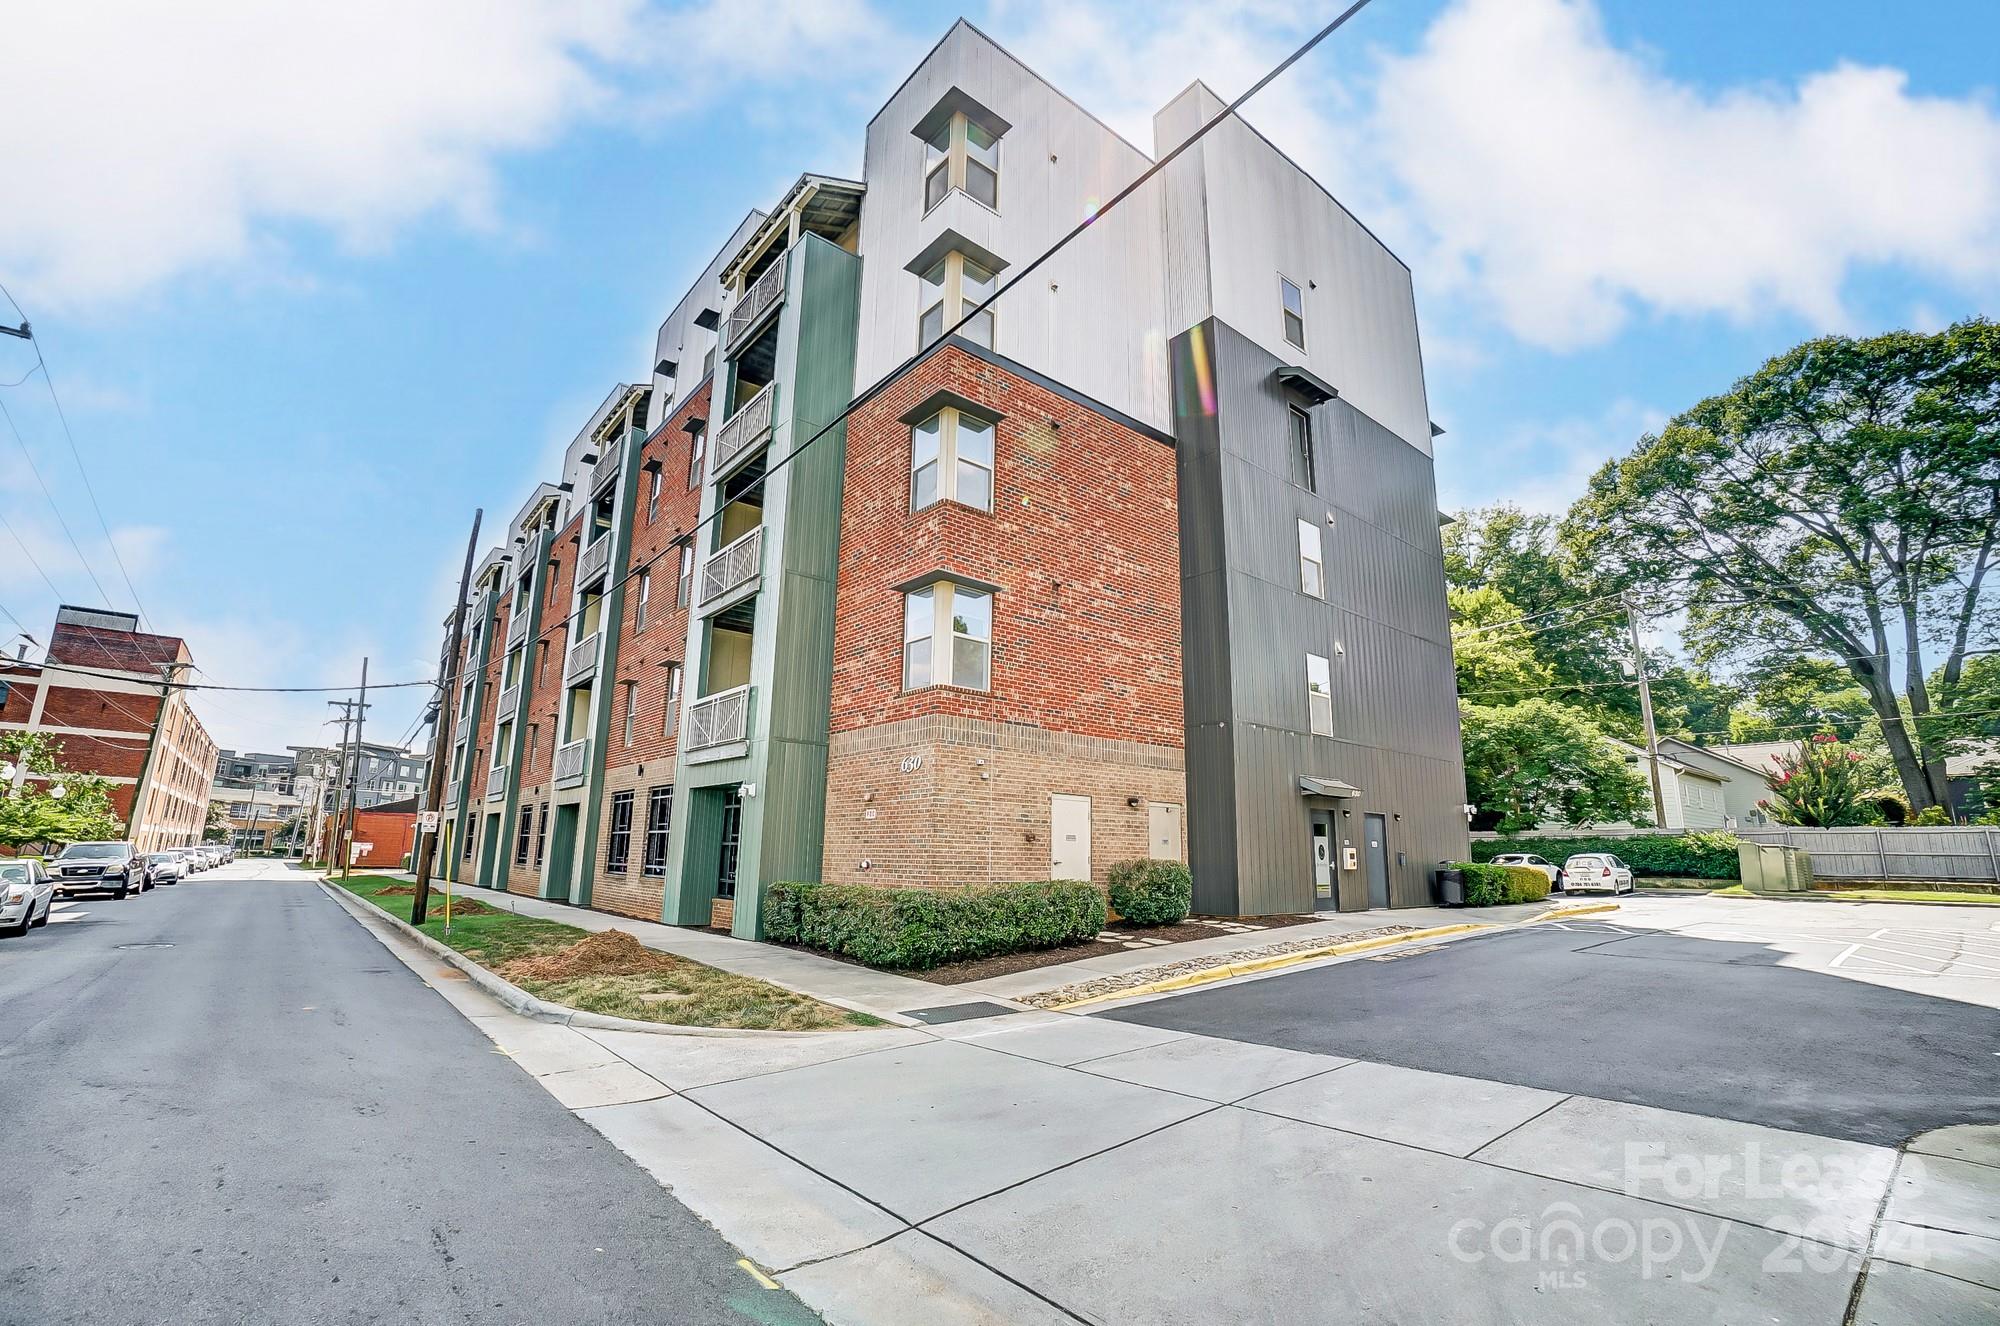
306 274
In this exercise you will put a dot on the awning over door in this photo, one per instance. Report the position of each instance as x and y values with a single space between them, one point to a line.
1326 787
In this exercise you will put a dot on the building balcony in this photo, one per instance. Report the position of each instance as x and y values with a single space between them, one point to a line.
451 795
729 569
496 782
605 472
517 629
582 659
510 702
745 431
763 294
718 720
571 762
596 557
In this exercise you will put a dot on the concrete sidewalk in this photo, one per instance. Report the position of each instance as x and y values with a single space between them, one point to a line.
1047 1168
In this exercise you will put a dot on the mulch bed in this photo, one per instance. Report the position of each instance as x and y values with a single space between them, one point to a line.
978 969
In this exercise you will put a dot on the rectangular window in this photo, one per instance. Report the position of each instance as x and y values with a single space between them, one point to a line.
697 448
937 167
1302 450
618 843
542 663
522 838
653 496
971 638
1294 301
966 661
685 590
1319 695
631 689
926 447
918 606
930 321
534 740
950 290
659 820
541 835
951 459
645 598
982 165
1312 567
673 706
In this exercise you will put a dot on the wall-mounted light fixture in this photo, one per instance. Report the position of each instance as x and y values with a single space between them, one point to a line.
1133 802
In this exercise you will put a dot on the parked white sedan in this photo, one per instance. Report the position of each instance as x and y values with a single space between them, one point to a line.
1596 872
27 896
1533 862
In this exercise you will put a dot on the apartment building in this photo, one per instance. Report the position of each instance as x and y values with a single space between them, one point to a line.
101 692
1142 562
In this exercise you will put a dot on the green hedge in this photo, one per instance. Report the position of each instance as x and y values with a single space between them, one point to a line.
1151 892
916 929
1692 855
1490 885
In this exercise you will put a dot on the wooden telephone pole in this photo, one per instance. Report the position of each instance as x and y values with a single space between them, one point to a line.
449 668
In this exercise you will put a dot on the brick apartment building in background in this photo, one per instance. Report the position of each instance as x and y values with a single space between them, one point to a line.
99 691
1142 562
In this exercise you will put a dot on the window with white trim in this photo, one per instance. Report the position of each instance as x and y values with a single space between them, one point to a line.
962 155
954 286
645 599
1293 300
653 494
1301 440
685 590
631 689
948 637
1312 565
697 449
951 460
1319 695
673 699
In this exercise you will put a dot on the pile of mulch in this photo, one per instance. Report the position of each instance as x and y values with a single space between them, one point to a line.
459 906
609 953
1004 964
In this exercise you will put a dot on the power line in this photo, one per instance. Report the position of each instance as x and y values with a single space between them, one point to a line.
33 469
49 381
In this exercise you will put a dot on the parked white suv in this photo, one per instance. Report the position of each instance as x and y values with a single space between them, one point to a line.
1533 862
1596 872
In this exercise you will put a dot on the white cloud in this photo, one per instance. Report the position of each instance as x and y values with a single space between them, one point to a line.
1538 465
1566 182
201 134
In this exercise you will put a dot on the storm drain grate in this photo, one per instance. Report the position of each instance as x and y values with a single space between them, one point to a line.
958 1012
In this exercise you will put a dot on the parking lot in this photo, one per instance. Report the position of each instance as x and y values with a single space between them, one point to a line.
1870 1022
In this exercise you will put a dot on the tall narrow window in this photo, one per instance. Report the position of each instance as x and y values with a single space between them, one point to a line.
951 459
964 656
541 835
1294 301
937 166
685 589
953 287
659 820
522 838
673 706
631 689
1319 695
618 842
982 165
965 155
653 495
697 447
1302 449
931 301
918 628
971 638
645 599
1312 567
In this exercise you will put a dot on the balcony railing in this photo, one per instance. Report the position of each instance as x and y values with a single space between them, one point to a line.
595 558
717 720
510 701
582 659
517 629
608 465
570 762
744 430
451 795
733 566
496 782
764 294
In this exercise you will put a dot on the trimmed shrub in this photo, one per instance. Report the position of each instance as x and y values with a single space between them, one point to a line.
1489 885
916 929
1695 855
1151 892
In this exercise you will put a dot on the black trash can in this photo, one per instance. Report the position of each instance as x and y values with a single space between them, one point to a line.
1449 886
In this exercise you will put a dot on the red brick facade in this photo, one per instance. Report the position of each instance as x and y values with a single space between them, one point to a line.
541 676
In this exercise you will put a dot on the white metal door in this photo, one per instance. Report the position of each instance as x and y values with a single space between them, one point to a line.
1163 824
1069 837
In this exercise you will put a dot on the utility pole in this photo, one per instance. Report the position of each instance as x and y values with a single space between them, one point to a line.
353 795
1646 713
444 733
332 792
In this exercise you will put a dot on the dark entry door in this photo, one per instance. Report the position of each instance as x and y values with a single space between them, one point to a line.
1326 897
1375 853
732 844
489 849
562 853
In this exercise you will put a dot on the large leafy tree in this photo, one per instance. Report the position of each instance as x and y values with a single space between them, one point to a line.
1538 760
1793 697
32 816
1843 500
1492 651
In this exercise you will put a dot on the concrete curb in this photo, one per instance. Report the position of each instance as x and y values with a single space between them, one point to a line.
1272 963
1852 902
1567 912
520 1001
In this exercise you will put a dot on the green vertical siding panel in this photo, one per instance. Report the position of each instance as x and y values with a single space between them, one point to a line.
584 876
510 808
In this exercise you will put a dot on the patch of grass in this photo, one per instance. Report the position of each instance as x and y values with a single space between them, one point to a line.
676 991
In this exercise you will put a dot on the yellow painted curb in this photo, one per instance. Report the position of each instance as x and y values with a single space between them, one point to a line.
1576 911
1272 963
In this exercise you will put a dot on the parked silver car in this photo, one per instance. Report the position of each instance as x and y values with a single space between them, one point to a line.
164 867
1596 872
27 895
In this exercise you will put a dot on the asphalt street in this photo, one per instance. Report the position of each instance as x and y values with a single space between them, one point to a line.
1676 1021
225 1102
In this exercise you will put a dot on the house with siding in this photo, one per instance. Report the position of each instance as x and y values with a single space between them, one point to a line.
1141 561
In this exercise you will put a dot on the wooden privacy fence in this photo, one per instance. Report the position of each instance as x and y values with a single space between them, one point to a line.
1967 853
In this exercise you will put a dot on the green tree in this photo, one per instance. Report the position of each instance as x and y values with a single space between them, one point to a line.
1690 704
1494 654
33 816
1843 500
1819 787
1791 697
1539 760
